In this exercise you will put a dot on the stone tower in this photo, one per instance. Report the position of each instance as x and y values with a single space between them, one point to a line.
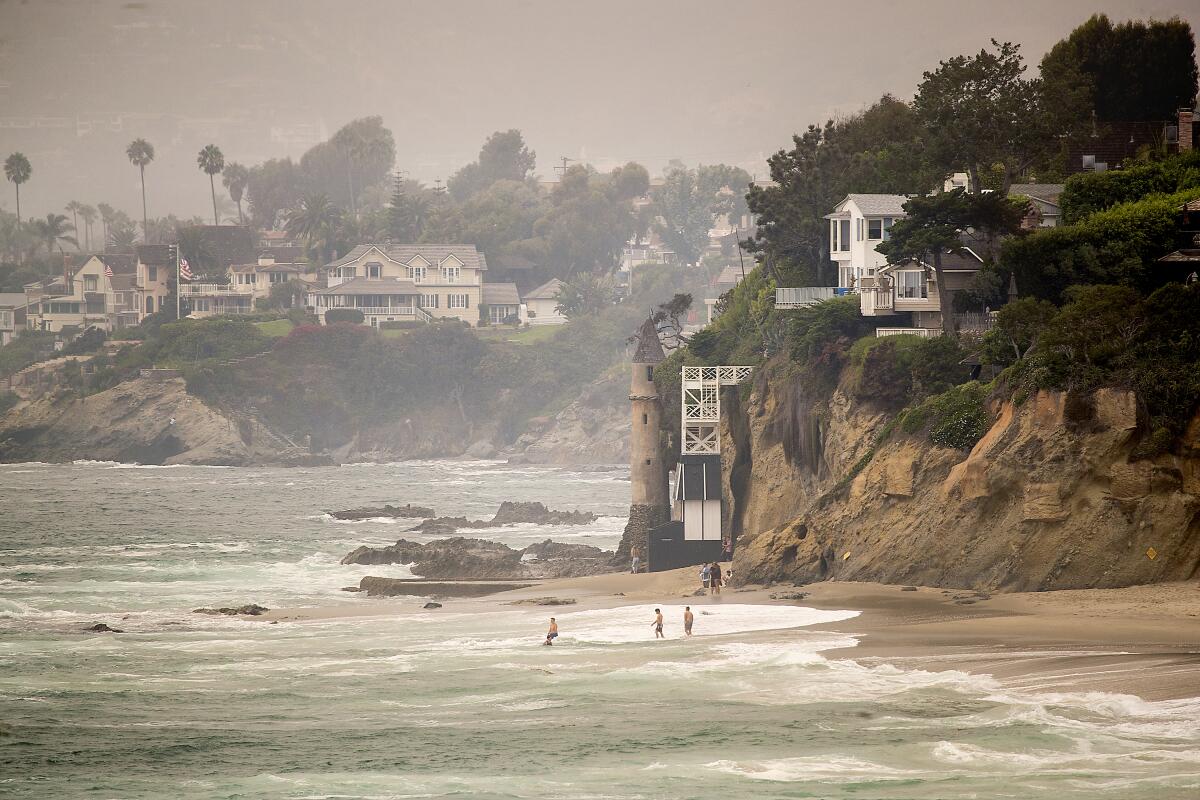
649 505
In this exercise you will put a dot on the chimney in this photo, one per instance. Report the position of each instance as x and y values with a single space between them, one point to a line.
1185 129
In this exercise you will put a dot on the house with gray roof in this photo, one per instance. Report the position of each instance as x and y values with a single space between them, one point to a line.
856 226
391 283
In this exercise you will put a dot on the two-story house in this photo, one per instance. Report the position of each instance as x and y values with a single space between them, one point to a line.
389 282
247 284
155 275
12 315
83 296
856 226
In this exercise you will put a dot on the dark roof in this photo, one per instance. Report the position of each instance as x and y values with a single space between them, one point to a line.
547 291
372 286
468 254
649 349
1112 143
12 299
1046 192
155 255
283 252
122 282
500 294
121 263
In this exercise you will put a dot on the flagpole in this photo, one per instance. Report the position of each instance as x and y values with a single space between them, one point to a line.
178 286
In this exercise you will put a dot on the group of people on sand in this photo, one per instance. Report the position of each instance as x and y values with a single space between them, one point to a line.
688 619
712 577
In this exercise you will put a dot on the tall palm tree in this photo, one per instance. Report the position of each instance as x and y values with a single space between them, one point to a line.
211 161
315 220
107 215
17 169
236 178
88 212
53 230
74 207
141 153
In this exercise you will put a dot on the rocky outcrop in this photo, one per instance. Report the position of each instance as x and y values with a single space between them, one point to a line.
250 610
509 513
462 558
1050 498
406 511
593 429
144 421
398 587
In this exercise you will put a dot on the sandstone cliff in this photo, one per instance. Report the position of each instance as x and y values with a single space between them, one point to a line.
146 421
1048 499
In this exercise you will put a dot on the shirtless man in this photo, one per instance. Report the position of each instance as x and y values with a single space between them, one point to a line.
687 620
658 623
551 634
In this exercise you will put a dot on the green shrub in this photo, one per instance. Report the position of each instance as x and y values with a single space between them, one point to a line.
1089 192
352 315
894 371
1116 246
25 349
955 418
400 324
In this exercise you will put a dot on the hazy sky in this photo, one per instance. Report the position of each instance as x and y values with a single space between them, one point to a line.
601 80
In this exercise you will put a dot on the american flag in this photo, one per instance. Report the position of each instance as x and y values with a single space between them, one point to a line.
108 271
185 271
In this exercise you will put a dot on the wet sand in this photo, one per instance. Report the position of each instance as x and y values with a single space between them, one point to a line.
1142 640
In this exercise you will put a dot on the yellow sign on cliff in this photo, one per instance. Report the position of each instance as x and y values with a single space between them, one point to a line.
1151 554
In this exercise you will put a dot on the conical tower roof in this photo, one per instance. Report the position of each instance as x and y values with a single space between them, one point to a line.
649 349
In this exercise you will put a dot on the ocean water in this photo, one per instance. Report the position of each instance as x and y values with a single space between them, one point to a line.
443 704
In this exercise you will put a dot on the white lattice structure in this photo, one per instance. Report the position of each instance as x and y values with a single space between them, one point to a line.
702 406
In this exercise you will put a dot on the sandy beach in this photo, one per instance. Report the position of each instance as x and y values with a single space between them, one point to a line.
1142 640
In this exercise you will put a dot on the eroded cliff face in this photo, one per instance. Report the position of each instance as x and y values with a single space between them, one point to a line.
145 421
1048 499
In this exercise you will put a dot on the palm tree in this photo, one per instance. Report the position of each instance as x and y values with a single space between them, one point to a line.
17 169
107 215
211 161
315 220
74 207
122 237
89 216
236 178
53 230
140 154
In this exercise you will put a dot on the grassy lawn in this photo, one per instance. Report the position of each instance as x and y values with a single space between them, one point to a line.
534 335
276 327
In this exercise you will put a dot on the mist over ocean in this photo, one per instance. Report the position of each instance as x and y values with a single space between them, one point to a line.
447 704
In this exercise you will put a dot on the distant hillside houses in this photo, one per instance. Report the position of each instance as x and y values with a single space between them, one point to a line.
106 290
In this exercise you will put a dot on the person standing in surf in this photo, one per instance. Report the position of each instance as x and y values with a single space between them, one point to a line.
688 617
551 634
658 623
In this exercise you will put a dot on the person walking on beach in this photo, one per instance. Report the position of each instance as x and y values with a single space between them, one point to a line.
658 623
636 553
687 620
551 634
705 575
714 580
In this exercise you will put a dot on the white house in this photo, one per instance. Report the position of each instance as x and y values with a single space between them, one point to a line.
247 284
12 315
389 282
541 304
1046 211
856 226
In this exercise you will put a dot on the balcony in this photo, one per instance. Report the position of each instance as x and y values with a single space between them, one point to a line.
804 296
216 289
924 333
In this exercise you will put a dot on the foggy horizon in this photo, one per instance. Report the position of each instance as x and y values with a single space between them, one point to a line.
598 83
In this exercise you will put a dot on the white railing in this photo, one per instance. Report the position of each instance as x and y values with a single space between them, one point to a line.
216 289
799 297
924 333
883 298
396 311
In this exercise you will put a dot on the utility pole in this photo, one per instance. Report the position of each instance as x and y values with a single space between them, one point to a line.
563 169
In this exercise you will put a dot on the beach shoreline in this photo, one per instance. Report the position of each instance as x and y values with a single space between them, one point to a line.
1141 640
